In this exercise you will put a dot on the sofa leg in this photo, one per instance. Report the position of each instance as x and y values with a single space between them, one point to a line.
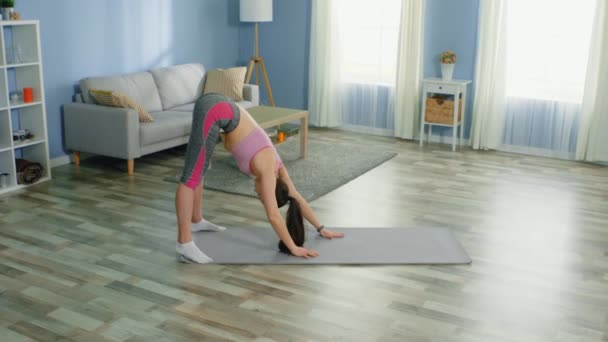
130 166
77 158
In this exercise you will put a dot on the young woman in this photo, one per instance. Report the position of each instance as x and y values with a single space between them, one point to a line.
256 156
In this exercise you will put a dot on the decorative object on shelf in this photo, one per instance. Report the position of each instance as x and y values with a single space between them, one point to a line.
448 61
289 129
257 11
22 135
15 15
271 132
28 172
19 55
8 8
15 55
15 97
281 137
28 95
4 180
10 55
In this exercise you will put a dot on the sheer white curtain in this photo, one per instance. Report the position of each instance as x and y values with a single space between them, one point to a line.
369 32
409 68
490 73
531 72
592 138
546 68
355 52
324 100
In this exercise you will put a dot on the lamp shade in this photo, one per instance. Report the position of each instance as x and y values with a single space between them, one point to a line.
256 10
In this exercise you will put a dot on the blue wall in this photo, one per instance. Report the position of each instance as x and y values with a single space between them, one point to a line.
116 36
89 38
452 25
284 43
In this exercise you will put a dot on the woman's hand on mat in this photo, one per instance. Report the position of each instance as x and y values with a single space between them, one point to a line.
328 234
304 253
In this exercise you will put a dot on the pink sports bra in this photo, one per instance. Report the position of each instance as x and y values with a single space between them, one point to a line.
247 148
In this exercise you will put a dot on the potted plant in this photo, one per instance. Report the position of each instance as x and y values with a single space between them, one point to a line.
448 61
8 8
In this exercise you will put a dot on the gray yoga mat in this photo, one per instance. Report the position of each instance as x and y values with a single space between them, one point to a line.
359 246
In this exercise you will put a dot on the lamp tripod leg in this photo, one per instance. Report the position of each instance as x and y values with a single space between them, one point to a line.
267 82
249 70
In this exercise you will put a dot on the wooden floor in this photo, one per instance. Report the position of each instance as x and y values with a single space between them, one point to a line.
90 256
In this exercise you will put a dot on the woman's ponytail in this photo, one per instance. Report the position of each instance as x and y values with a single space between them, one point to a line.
294 220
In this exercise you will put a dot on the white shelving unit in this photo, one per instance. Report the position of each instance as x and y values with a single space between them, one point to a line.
20 67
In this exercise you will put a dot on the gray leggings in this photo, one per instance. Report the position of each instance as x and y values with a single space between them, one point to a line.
212 112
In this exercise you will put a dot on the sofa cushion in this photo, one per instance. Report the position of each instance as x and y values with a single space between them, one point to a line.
117 99
167 125
227 82
179 84
245 104
139 87
189 107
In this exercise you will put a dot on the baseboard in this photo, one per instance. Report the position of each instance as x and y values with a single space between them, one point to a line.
538 152
367 130
68 159
447 140
435 139
59 161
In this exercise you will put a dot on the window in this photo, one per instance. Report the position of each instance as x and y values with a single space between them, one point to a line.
548 48
369 39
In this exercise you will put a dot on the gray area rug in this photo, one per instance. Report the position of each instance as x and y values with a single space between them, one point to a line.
327 167
378 246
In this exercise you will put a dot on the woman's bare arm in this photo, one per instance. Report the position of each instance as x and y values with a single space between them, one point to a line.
307 212
267 195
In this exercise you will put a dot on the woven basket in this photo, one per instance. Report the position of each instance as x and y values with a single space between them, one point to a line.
441 111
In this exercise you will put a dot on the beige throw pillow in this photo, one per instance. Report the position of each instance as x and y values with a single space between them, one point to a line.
116 99
227 82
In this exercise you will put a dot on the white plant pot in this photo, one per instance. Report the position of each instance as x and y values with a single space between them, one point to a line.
7 13
447 71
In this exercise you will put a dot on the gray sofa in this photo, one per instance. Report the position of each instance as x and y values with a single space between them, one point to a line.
168 94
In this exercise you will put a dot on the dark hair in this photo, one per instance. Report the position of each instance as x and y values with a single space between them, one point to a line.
295 224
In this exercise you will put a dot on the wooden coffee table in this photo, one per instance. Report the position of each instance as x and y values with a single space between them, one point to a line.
268 117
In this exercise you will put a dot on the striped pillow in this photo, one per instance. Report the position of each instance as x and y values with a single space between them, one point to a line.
227 82
116 99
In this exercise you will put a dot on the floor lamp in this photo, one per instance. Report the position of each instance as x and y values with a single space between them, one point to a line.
257 11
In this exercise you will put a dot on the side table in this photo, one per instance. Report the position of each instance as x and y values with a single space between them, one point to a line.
456 88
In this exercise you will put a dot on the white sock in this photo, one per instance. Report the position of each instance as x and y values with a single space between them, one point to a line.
188 252
206 226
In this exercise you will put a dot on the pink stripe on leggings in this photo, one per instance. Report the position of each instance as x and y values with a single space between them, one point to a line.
220 111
